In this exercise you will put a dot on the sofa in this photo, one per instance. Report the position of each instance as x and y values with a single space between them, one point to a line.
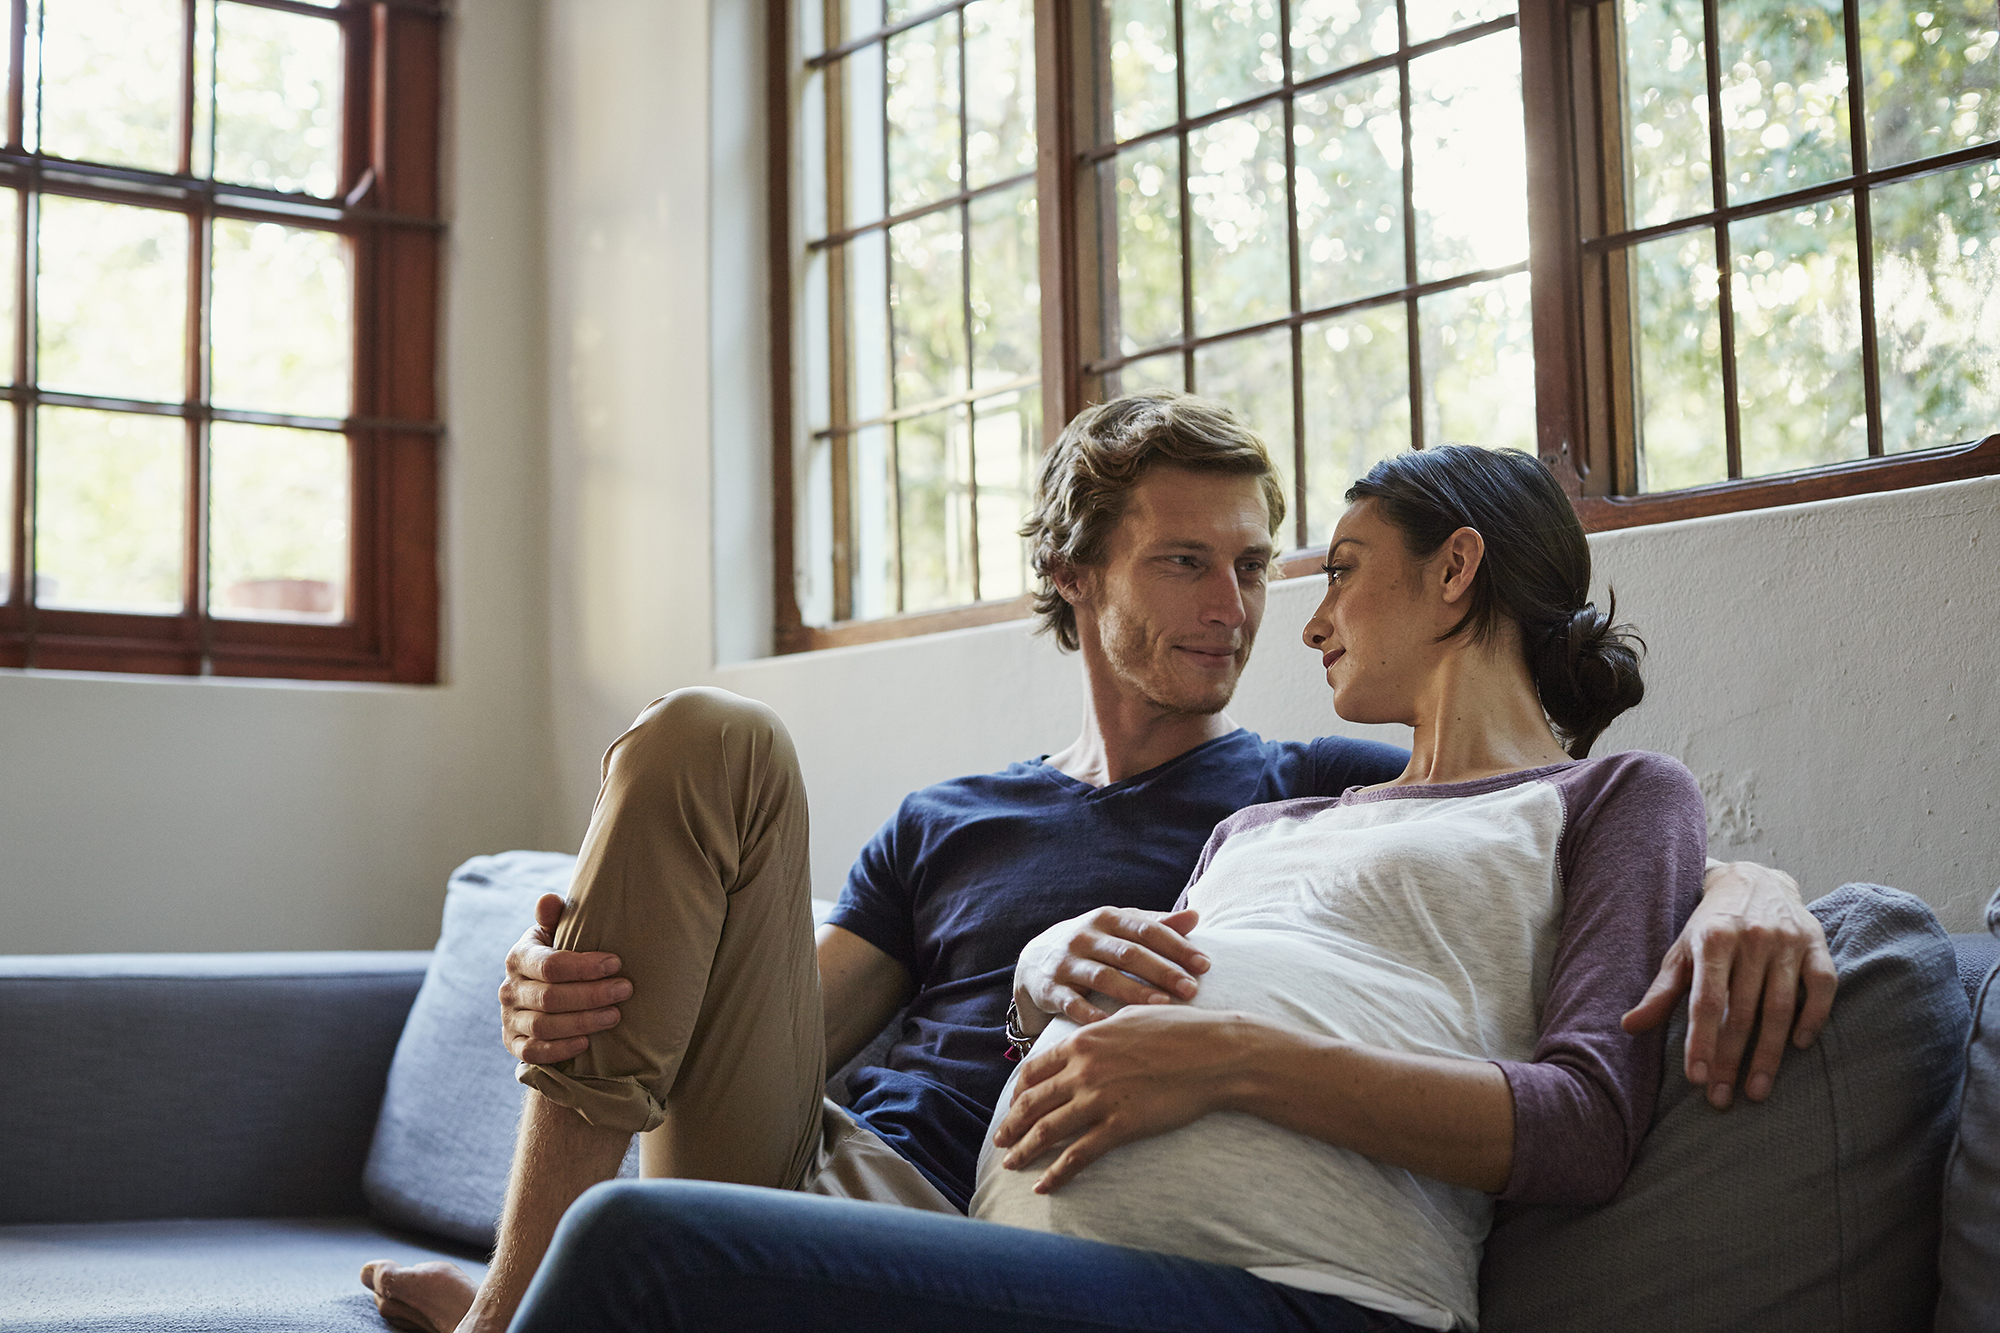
218 1141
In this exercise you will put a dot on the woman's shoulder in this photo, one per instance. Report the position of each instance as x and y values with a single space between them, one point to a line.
1658 784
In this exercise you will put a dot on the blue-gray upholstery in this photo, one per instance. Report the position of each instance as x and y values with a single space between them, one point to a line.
445 1138
272 1275
1969 1301
1816 1212
195 1085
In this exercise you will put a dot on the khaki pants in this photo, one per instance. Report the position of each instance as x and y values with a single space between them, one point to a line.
694 872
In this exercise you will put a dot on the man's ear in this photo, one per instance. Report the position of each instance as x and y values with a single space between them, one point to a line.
1462 553
1072 583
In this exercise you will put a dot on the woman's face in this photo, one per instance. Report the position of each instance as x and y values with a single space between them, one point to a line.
1377 628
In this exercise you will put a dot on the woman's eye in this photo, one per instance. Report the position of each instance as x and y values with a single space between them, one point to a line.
1334 572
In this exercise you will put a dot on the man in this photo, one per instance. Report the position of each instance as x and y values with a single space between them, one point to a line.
1153 539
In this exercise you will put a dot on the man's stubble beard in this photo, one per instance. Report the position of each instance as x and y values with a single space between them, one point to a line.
1125 644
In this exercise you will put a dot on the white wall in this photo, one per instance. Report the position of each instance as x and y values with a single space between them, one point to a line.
158 813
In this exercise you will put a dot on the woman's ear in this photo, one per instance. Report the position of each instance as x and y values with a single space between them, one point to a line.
1462 553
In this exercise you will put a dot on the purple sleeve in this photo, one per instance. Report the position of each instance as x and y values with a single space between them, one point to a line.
1632 854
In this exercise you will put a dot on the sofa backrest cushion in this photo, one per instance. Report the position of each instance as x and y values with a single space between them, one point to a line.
1815 1211
194 1085
1969 1301
445 1137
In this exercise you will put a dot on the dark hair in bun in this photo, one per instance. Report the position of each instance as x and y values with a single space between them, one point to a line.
1536 572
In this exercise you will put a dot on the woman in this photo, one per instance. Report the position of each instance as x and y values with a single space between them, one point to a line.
1396 952
1313 1142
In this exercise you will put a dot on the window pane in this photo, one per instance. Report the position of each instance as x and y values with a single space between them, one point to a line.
1146 301
1232 51
1933 80
999 90
1006 287
1236 186
110 510
1666 81
864 164
111 81
927 306
816 570
277 99
201 141
1349 150
1469 157
1784 97
111 299
923 114
277 539
1254 376
1333 34
10 251
1007 432
1435 18
1155 372
1141 58
279 321
934 513
816 334
872 473
1937 307
1795 290
868 359
1683 440
6 503
1357 382
1479 365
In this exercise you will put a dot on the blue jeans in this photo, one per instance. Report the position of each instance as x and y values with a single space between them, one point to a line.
678 1254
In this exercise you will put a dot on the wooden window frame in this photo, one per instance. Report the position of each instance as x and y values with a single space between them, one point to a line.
1583 382
386 203
1577 381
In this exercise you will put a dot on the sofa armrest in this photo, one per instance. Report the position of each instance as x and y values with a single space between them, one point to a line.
194 1085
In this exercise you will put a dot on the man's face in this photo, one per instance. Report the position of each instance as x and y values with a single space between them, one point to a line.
1175 604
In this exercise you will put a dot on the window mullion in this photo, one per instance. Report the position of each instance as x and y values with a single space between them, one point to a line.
1864 226
1719 189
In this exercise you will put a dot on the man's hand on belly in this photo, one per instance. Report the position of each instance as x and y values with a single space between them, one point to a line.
1140 1073
1126 953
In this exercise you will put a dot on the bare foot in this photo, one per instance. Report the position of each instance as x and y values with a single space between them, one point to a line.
419 1298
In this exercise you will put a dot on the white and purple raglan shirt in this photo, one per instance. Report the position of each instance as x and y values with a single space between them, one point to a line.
1510 919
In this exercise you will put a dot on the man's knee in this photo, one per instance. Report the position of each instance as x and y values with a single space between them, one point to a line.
702 725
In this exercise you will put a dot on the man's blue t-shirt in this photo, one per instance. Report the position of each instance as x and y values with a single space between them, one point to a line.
970 870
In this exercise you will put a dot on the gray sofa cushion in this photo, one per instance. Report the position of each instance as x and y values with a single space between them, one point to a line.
1814 1211
198 1276
445 1138
1969 1301
194 1085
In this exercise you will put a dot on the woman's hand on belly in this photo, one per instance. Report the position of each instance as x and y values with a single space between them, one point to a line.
1141 1072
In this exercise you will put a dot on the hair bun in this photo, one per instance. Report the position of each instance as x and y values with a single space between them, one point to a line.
1587 672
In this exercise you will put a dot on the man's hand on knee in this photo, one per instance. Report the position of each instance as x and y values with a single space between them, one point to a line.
553 999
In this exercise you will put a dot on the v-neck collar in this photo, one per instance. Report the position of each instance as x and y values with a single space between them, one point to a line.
1085 791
